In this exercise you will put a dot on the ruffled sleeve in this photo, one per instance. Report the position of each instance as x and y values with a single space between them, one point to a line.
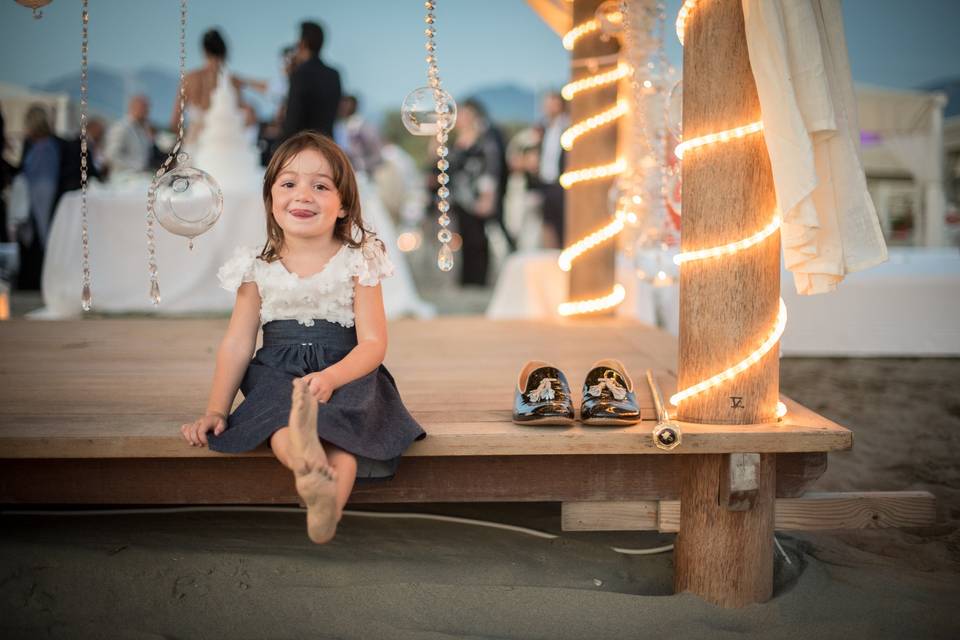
240 268
371 264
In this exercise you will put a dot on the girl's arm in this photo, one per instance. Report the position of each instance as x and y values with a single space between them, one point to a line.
235 350
371 323
232 358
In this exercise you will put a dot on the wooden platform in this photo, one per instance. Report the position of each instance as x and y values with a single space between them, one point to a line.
121 388
90 410
90 414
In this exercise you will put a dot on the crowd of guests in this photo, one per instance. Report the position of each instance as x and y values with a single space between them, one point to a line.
307 94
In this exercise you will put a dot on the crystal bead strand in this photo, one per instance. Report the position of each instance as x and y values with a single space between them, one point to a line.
664 132
445 256
640 149
174 154
86 297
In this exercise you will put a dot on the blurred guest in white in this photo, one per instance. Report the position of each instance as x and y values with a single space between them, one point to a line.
129 147
521 204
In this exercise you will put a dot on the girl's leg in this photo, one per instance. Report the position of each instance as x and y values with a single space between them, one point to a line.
300 450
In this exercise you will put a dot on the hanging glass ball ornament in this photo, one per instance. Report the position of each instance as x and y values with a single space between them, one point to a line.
610 18
675 110
35 5
421 114
186 201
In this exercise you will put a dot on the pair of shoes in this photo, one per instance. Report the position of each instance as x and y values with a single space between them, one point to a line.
542 396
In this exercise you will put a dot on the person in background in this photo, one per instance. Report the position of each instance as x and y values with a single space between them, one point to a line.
546 181
477 172
96 130
270 131
314 95
40 169
521 204
357 137
199 85
129 147
6 177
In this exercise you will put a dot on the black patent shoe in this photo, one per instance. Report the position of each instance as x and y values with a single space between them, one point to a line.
542 396
608 397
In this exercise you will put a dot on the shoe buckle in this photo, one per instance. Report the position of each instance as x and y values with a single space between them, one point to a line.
544 391
609 380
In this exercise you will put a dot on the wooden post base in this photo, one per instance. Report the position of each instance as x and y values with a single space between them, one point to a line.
724 556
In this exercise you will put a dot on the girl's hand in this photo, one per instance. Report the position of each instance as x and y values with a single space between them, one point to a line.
319 385
196 432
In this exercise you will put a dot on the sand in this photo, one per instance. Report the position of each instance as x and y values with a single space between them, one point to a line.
255 575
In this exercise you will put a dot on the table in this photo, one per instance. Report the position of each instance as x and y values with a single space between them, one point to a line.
188 282
907 306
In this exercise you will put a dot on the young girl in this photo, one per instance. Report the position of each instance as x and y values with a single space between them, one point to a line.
315 287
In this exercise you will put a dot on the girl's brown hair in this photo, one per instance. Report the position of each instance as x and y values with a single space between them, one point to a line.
343 178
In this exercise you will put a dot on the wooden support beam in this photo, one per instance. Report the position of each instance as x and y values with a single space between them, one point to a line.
588 206
723 556
596 479
812 512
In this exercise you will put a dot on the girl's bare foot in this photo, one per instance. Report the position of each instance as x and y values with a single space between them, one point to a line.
318 489
315 479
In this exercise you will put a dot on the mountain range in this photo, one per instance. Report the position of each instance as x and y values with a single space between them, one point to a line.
109 89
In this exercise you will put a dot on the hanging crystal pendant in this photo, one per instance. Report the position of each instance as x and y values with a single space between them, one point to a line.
445 257
86 298
155 291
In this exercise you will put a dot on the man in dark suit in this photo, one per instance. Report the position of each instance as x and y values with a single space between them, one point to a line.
314 94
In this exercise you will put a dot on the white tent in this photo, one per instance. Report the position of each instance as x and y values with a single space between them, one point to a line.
903 134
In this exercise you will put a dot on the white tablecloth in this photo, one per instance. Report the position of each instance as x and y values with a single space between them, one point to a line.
908 306
188 282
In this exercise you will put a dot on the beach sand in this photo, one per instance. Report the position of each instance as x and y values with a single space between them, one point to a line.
256 575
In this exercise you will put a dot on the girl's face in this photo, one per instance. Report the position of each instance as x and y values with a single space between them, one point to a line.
306 203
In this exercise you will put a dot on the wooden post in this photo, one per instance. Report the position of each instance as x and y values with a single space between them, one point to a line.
724 556
588 208
728 306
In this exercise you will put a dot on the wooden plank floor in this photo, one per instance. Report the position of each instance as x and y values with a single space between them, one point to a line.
120 388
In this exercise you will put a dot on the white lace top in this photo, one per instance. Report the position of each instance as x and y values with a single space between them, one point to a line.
326 295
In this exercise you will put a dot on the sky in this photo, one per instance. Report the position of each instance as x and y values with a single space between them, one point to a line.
378 44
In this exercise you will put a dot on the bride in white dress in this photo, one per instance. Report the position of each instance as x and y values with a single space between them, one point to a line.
200 85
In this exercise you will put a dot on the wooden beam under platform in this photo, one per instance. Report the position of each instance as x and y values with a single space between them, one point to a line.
813 511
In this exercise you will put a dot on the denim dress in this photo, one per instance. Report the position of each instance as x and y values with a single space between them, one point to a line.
308 325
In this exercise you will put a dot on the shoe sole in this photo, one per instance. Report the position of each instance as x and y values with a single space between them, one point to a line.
559 422
609 422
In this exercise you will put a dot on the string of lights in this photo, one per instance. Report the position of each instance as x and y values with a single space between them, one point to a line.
780 322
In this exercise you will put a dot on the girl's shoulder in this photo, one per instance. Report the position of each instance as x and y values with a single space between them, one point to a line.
369 262
239 268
